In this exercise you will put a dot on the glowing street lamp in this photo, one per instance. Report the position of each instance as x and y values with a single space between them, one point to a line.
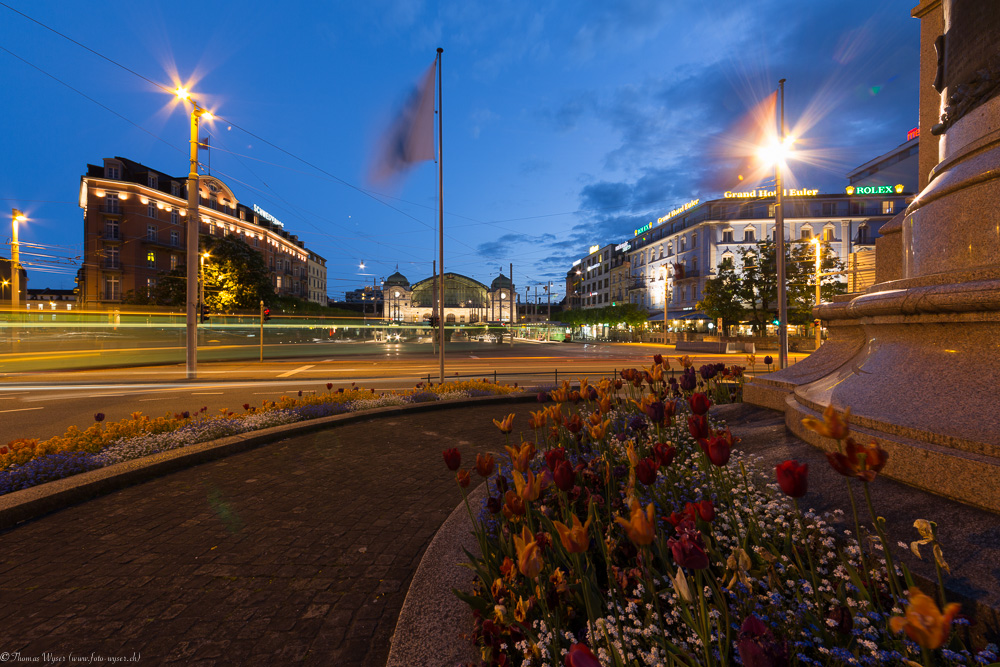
193 218
15 260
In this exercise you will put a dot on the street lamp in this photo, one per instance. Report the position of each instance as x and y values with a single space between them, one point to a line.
819 246
15 260
201 282
193 224
5 284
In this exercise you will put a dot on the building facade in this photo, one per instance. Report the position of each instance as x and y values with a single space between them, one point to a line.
885 173
465 301
135 230
7 284
316 272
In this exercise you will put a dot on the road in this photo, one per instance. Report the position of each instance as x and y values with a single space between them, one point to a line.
45 404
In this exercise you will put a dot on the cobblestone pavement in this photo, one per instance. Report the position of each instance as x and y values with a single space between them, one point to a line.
300 551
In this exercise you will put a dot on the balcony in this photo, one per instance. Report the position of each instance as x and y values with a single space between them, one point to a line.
111 210
111 235
111 265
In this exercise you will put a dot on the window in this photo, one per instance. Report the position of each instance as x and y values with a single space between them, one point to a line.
829 208
111 172
694 239
682 244
279 282
175 188
770 210
173 262
661 251
150 286
112 288
151 209
256 242
727 236
111 229
694 266
857 208
151 259
175 238
887 207
151 180
150 232
748 235
173 216
211 228
806 233
111 203
670 250
827 234
111 257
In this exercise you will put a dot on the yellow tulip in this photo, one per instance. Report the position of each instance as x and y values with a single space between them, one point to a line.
640 526
833 425
520 456
598 431
604 404
537 420
529 489
923 622
505 425
529 560
575 539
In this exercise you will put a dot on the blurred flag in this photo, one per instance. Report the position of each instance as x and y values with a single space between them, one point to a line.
410 137
735 152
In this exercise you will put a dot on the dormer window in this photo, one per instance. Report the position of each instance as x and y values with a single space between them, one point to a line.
151 180
175 188
112 171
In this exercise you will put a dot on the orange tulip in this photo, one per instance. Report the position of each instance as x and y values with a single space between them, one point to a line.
513 505
639 527
520 456
594 418
863 462
537 420
656 372
555 413
597 432
484 464
529 560
463 478
833 425
574 539
505 425
529 489
685 361
923 622
604 404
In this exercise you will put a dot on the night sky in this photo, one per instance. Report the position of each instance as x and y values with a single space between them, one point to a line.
567 123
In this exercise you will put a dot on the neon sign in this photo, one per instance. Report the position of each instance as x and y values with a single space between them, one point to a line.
593 249
644 228
679 209
875 189
267 216
752 194
623 247
913 134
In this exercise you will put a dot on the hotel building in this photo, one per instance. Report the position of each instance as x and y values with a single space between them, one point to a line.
135 227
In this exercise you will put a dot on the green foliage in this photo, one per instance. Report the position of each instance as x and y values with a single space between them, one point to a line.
626 313
236 277
721 297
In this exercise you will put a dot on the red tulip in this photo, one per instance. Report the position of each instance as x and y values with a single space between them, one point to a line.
452 458
646 469
793 478
705 509
580 656
554 456
463 478
698 425
657 359
564 476
717 448
664 453
699 403
688 549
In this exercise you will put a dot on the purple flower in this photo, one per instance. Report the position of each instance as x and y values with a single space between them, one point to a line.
543 397
768 360
758 647
688 381
99 417
707 372
637 423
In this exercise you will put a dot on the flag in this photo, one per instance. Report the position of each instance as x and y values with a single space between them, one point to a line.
735 151
410 137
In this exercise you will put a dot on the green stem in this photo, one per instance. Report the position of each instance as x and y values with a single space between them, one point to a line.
890 566
812 568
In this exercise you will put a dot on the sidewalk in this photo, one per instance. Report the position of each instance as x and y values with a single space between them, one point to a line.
300 551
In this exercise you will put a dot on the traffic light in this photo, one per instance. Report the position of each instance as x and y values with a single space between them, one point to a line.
265 314
776 322
202 314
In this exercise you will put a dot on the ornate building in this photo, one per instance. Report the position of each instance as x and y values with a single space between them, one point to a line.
466 300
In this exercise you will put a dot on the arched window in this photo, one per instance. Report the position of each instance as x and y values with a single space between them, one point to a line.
450 318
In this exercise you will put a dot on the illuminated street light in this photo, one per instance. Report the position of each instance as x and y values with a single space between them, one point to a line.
15 260
191 250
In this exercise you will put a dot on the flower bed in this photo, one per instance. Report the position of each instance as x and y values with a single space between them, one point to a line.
27 462
628 531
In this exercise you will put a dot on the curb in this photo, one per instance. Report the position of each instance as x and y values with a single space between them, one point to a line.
37 501
432 618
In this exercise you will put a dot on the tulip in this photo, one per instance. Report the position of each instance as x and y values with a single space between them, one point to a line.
699 403
639 527
688 381
537 420
452 458
863 462
506 424
513 505
656 412
99 417
463 478
564 476
529 489
664 453
681 586
554 457
717 448
833 425
604 404
698 426
484 464
543 397
705 509
758 647
580 656
598 431
493 504
792 478
688 548
768 359
646 470
574 424
520 456
658 359
329 386
923 622
575 540
928 531
685 361
529 561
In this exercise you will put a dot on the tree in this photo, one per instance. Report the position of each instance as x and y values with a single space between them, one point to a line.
721 298
236 277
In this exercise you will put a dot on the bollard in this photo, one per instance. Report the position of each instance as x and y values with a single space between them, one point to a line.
557 376
494 376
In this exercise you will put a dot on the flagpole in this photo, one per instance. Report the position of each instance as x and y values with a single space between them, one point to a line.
779 227
440 226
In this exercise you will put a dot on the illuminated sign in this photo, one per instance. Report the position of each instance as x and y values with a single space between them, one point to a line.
644 228
623 247
752 194
875 189
679 209
593 249
913 134
267 216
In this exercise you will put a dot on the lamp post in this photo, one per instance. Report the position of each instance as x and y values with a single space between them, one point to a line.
15 261
201 281
5 284
193 225
819 247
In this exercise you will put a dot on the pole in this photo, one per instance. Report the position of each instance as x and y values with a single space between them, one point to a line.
819 246
548 319
440 224
510 306
779 227
15 263
193 224
262 331
434 305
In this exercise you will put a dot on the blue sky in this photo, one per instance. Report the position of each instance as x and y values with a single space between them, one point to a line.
566 122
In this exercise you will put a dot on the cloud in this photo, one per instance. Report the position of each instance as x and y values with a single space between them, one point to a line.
505 246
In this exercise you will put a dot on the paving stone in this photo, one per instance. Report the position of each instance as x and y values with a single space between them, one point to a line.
307 564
